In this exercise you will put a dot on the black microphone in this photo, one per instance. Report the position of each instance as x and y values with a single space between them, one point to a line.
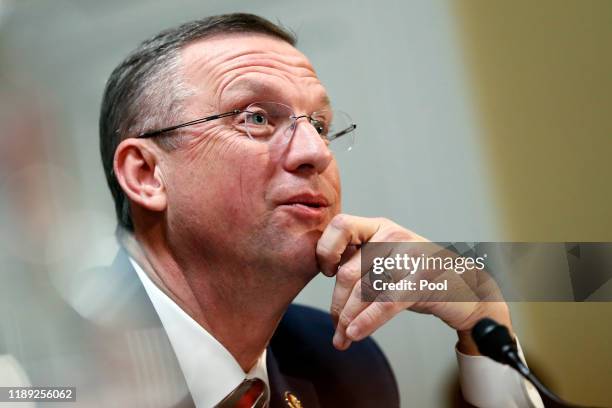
494 341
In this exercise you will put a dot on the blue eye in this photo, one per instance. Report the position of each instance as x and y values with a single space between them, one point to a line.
257 119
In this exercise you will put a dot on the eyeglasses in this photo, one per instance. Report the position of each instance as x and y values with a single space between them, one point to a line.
275 123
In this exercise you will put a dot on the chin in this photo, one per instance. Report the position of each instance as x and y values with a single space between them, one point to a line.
296 256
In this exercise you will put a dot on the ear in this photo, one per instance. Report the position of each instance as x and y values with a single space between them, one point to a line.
136 167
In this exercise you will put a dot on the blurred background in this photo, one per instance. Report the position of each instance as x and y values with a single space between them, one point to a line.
480 120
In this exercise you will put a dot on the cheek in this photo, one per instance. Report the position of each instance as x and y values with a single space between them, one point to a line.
245 196
227 185
238 199
332 177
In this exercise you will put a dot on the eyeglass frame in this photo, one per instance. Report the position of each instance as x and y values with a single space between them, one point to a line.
234 112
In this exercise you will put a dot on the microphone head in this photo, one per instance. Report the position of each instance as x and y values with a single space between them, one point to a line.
493 340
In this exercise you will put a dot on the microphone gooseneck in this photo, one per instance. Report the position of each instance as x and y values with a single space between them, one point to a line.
494 341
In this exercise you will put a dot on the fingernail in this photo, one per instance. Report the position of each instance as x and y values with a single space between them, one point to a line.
337 340
353 332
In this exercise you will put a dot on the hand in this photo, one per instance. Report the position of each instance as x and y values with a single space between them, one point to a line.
338 253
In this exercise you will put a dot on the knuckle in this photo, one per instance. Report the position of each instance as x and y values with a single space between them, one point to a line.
327 256
346 275
322 250
385 297
335 310
395 233
349 271
385 309
340 221
370 318
344 319
367 291
384 221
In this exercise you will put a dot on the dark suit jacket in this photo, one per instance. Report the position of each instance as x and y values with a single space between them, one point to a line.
117 353
301 358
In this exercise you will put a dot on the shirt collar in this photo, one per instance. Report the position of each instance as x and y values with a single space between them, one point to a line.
210 371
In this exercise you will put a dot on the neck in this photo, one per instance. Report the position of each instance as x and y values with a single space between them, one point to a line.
240 306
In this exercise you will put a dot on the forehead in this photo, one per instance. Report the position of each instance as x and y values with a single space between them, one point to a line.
225 69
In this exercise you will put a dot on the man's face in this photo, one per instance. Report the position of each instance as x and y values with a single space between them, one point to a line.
234 198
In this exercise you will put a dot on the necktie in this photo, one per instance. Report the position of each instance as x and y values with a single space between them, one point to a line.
251 393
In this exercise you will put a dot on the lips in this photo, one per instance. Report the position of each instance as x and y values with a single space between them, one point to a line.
306 205
308 200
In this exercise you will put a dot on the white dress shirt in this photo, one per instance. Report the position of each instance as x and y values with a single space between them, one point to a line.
211 372
487 383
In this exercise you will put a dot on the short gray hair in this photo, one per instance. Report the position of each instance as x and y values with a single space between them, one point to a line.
145 91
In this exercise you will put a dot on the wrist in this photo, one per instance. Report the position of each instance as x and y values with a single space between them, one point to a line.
497 311
466 344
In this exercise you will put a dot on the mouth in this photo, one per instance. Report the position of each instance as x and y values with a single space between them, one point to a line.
308 200
306 205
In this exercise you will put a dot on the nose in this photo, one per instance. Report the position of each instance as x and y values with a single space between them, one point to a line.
306 150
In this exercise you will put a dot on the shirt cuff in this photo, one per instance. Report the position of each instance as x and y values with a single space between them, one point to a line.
487 383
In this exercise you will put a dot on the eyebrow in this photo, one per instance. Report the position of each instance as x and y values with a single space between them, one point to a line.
263 87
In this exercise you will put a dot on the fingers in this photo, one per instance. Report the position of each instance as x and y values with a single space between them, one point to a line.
349 310
372 317
347 299
342 231
347 276
343 236
458 301
346 303
359 319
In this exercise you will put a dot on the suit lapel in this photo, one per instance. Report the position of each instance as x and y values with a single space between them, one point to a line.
132 336
282 384
133 319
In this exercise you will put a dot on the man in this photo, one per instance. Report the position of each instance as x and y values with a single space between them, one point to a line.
215 138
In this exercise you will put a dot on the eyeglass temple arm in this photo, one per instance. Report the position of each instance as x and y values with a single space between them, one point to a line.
343 132
193 122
